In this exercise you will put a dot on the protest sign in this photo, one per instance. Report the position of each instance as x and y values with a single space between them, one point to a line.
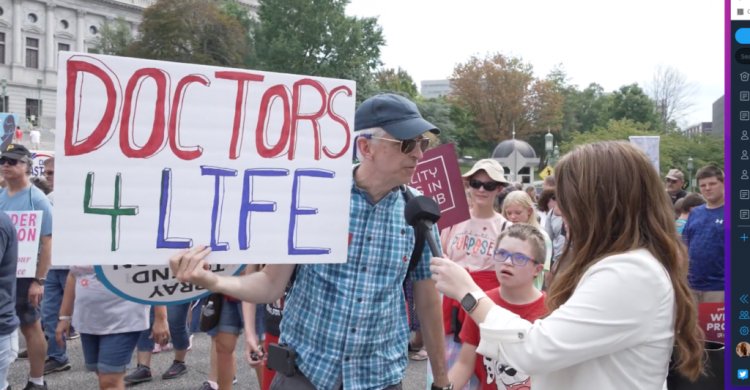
9 123
154 156
38 157
155 284
711 320
649 144
28 232
438 176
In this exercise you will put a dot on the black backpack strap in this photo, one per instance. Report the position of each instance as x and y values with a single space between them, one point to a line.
419 236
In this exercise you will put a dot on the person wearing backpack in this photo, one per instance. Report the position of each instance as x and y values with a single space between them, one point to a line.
344 325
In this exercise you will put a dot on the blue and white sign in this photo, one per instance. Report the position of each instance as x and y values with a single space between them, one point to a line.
155 284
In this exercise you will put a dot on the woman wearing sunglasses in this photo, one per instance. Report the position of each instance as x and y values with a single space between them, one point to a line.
471 244
619 303
516 268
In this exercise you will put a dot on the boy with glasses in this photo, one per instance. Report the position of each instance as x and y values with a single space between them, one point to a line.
518 260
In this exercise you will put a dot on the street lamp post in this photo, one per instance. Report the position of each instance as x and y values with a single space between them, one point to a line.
4 85
555 155
690 172
38 102
549 141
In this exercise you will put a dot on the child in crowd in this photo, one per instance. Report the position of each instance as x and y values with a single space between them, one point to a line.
109 325
683 206
471 243
517 259
518 208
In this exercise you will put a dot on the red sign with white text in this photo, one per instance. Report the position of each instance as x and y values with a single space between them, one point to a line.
711 320
438 176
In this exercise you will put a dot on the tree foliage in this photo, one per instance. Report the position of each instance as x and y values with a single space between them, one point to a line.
502 93
114 37
316 37
674 147
194 31
672 94
397 81
631 102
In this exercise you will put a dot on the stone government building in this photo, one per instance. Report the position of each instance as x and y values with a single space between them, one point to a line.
31 34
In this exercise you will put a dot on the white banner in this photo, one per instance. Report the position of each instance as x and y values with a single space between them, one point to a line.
649 144
28 231
153 157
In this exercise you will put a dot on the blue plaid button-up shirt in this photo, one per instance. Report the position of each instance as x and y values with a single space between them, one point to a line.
347 322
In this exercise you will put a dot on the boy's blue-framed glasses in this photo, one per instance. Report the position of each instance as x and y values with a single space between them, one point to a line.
407 145
518 259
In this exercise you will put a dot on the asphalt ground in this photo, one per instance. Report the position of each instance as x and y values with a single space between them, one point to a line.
77 378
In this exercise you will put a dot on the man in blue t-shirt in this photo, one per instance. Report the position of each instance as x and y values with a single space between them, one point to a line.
21 195
704 237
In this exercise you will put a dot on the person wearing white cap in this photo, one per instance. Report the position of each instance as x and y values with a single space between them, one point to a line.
675 180
471 243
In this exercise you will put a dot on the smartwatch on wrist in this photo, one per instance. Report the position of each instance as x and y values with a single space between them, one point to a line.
470 301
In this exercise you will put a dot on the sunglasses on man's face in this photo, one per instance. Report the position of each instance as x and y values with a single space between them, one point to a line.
670 181
8 161
407 145
489 186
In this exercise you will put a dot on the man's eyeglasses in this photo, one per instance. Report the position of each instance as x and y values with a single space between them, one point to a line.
488 186
8 161
670 181
49 173
518 259
407 145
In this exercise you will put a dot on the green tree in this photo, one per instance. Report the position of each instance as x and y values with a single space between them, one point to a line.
396 80
316 37
114 37
674 148
630 102
502 93
194 31
584 110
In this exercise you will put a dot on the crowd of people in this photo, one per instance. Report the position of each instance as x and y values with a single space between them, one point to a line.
587 282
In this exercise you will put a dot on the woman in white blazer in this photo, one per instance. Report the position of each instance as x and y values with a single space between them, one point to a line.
619 302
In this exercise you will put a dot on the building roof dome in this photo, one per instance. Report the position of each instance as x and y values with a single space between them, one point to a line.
505 148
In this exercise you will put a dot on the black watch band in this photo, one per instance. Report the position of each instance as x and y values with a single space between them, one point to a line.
39 281
448 387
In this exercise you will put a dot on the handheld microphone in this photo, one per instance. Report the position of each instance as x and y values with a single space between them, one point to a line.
422 212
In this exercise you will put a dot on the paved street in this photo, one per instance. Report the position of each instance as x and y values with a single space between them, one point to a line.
198 362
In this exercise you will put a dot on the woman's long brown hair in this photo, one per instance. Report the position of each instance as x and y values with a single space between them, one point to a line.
613 201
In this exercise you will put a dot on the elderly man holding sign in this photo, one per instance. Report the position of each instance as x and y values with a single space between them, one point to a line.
344 324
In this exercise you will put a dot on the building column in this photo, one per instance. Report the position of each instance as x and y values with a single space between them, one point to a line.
50 38
17 37
81 31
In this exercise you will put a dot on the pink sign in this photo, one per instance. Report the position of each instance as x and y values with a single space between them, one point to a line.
438 176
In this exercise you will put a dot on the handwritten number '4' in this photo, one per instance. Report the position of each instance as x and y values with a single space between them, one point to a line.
114 212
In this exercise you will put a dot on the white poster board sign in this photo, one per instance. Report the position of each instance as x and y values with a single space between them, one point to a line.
649 144
153 157
28 232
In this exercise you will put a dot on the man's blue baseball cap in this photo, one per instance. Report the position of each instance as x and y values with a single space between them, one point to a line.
396 114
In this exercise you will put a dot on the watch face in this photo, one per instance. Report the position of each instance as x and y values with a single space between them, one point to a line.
468 302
